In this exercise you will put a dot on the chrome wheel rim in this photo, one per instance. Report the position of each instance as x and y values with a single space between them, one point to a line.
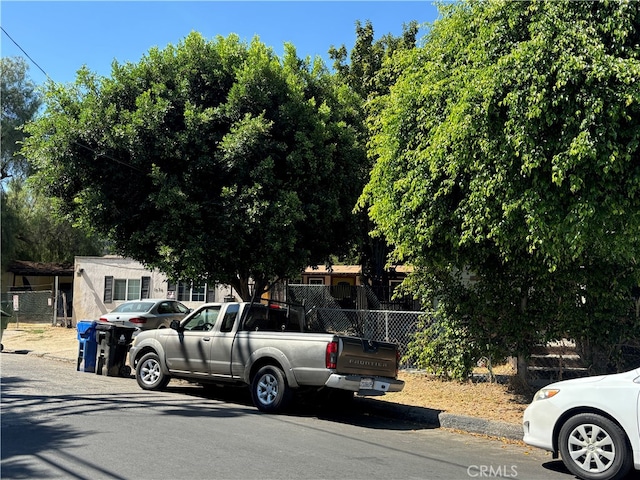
150 372
267 389
591 448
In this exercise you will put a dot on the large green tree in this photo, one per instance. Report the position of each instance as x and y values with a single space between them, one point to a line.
211 159
509 148
20 102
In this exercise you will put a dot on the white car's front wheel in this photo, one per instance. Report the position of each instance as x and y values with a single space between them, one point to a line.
594 448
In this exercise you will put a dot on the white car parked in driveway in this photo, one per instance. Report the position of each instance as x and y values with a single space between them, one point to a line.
592 422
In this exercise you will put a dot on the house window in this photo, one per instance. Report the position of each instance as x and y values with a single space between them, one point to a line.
189 291
119 289
184 291
198 292
133 289
126 289
316 281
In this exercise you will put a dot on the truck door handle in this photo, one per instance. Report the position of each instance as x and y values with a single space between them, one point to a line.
205 339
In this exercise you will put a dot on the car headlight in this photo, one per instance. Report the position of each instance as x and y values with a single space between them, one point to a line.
545 393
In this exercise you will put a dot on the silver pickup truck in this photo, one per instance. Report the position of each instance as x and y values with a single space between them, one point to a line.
270 347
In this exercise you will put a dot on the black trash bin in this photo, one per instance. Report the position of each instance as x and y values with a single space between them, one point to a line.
114 342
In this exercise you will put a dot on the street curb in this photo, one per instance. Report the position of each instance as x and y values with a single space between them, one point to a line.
482 426
439 419
46 355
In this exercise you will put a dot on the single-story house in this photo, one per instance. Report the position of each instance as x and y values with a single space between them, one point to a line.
102 283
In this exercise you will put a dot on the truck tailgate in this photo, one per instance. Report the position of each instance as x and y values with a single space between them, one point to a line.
366 357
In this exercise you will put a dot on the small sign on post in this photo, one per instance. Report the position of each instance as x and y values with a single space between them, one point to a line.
16 308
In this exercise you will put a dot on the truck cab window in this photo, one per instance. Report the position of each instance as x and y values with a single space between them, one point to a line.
256 318
229 318
204 320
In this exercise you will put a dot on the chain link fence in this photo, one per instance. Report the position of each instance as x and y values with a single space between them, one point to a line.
355 310
359 297
380 325
33 307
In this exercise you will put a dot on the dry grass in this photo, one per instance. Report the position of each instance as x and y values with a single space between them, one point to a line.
479 398
493 401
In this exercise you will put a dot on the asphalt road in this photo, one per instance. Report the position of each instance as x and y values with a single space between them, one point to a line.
59 423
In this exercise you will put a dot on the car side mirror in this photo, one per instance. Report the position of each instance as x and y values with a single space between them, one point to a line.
175 325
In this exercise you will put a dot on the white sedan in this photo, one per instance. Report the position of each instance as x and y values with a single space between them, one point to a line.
592 422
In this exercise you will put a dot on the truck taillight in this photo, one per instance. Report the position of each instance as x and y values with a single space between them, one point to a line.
331 359
138 320
102 319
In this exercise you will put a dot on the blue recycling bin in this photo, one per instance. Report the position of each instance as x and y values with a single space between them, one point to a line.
87 346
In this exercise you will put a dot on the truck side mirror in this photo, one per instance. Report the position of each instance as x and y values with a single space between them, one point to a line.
175 325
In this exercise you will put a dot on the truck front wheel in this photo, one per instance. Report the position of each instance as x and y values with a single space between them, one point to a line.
149 373
269 390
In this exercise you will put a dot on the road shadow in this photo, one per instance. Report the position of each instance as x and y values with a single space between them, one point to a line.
27 435
558 466
361 411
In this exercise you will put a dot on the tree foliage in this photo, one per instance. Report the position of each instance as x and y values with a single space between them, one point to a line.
509 147
211 160
29 229
370 73
32 231
20 102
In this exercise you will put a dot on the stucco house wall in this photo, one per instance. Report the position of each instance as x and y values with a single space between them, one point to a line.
90 274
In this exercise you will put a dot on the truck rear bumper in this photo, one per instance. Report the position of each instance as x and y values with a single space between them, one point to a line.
364 385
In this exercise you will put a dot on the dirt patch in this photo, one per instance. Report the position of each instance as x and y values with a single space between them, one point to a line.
41 339
492 401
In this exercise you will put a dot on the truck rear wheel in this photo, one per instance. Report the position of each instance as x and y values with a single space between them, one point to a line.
269 390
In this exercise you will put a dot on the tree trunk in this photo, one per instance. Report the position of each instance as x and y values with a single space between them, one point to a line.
241 286
523 369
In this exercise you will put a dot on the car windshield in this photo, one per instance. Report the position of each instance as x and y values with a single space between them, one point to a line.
137 307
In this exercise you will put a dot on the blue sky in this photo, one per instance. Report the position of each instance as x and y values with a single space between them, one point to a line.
62 36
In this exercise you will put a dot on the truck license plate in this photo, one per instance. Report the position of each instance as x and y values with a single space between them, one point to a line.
366 383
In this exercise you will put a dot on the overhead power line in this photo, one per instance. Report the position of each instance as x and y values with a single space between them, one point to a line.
109 157
23 51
